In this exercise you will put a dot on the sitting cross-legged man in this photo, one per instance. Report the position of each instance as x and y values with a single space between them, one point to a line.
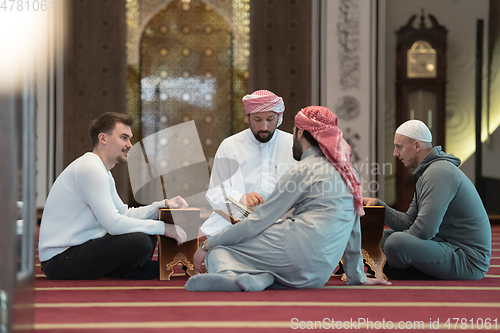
87 232
301 251
446 233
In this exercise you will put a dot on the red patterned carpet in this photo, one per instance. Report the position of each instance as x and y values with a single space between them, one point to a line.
109 305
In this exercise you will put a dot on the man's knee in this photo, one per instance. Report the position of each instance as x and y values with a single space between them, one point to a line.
138 243
397 246
394 241
387 233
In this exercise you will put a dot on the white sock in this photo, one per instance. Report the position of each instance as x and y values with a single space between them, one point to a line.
254 282
212 282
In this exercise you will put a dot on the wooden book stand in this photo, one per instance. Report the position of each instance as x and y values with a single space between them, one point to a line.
171 254
372 232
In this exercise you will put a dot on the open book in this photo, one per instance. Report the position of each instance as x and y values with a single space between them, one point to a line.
244 210
228 217
232 203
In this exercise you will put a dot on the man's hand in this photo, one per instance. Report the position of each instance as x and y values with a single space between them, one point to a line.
198 259
177 203
251 199
370 201
175 232
373 282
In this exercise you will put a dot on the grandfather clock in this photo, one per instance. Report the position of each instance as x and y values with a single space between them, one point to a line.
420 89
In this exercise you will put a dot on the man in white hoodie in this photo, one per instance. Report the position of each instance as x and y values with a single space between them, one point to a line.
87 232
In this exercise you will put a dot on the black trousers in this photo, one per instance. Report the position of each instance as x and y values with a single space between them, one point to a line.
125 256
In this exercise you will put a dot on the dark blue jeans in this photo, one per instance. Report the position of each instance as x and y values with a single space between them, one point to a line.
125 256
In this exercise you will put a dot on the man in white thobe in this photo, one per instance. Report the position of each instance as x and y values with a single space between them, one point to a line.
248 165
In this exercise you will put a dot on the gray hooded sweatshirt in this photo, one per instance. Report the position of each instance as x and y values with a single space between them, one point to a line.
446 208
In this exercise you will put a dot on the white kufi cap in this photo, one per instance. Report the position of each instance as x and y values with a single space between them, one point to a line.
416 130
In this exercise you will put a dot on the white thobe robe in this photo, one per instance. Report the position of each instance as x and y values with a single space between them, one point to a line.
243 165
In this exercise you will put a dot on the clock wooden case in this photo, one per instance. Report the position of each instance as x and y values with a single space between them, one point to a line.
420 89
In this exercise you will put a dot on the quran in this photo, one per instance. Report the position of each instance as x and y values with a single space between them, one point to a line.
232 203
244 210
228 217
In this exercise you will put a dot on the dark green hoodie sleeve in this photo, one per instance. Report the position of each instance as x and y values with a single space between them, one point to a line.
435 190
399 221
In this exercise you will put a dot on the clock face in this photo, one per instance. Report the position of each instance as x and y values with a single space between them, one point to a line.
422 60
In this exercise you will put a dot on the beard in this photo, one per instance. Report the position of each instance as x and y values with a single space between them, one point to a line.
296 149
121 159
263 139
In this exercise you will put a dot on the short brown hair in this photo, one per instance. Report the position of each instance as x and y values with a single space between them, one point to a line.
106 124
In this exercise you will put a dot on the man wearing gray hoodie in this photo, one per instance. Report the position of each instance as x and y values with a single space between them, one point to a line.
446 233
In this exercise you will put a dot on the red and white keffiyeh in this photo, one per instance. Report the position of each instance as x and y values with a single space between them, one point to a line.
322 124
262 101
